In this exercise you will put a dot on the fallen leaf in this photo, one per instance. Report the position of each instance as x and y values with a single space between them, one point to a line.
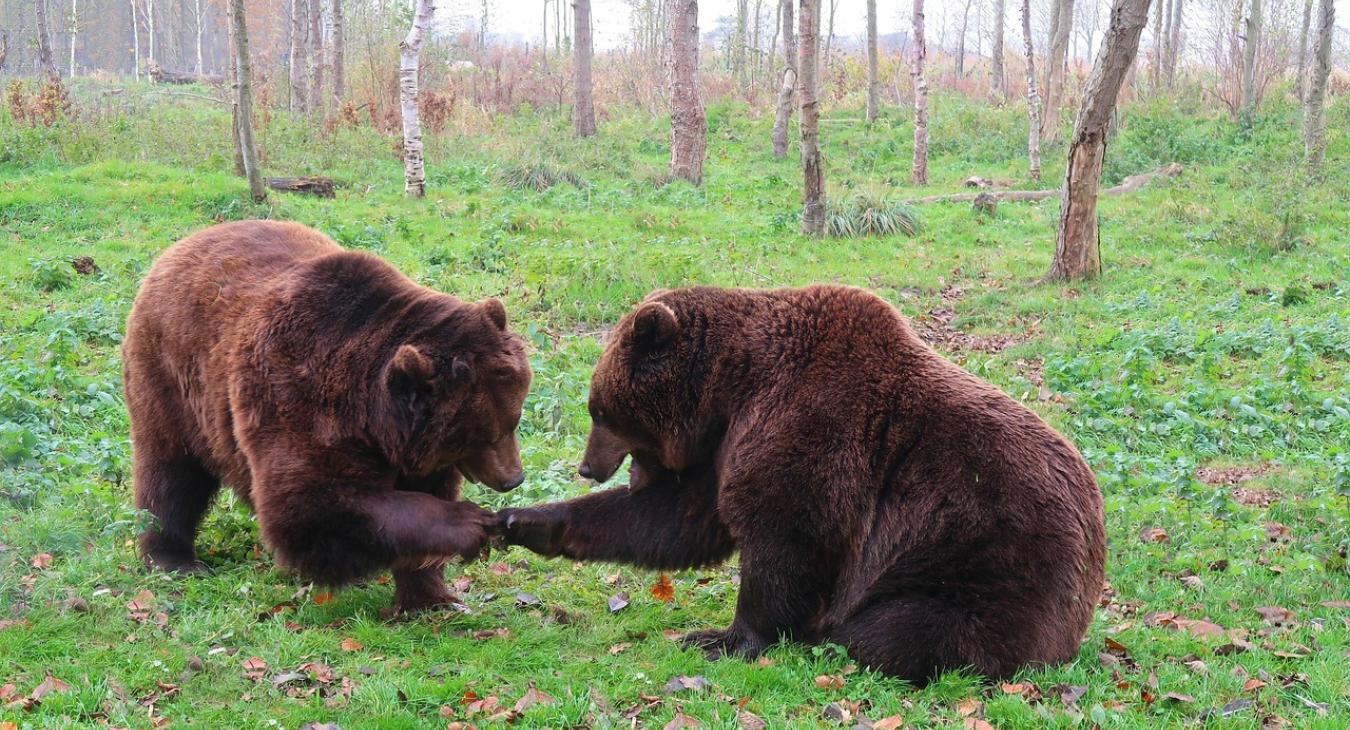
42 561
1252 685
49 684
500 569
969 706
350 644
681 721
1013 689
664 590
534 697
459 725
837 713
1154 534
1199 628
618 649
830 681
287 678
492 633
1198 667
318 671
894 722
975 723
7 691
683 683
1193 582
323 598
7 725
321 726
750 721
618 603
6 623
254 668
1275 614
1178 697
527 599
1336 604
1070 694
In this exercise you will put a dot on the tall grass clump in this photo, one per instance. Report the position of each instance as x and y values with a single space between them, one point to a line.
869 214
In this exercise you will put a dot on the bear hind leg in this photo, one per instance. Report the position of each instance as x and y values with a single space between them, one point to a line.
915 640
177 492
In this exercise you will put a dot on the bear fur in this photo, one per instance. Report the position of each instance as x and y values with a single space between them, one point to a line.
339 399
881 497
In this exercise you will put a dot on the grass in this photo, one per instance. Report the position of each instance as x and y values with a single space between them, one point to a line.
1218 340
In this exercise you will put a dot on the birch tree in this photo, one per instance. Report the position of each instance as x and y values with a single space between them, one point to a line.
1249 59
1174 42
789 80
299 55
1314 123
688 122
919 168
410 52
583 109
1061 23
337 45
317 56
871 61
243 94
1077 247
813 173
1033 99
74 32
997 82
136 42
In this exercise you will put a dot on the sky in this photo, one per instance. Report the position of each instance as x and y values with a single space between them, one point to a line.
523 18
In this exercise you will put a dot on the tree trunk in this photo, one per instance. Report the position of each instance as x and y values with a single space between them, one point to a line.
688 123
135 43
232 76
46 62
1174 43
74 32
299 55
1301 80
1033 99
829 37
199 27
784 115
961 42
871 61
1077 248
583 112
244 99
1249 56
1314 124
738 43
997 83
150 30
410 51
919 169
1060 26
1157 43
337 51
317 56
813 173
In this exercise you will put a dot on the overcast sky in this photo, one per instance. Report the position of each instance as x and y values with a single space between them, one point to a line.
523 18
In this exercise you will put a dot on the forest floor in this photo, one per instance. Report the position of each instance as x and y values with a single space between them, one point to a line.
1204 377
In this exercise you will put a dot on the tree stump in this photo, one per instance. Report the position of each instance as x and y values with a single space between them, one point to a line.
985 203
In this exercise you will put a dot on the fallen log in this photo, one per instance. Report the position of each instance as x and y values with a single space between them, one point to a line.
321 187
161 75
1128 185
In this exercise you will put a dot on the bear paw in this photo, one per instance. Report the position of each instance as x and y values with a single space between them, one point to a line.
718 643
538 530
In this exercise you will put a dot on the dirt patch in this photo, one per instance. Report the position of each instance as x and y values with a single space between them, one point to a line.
1231 475
84 265
936 329
1256 497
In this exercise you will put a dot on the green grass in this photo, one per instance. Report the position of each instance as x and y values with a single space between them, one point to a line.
1219 337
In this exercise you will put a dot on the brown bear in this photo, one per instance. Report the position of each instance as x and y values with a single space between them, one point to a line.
339 399
881 497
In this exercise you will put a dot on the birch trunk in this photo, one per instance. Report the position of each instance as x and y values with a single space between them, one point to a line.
1314 123
1301 80
1157 43
997 82
583 110
961 42
871 61
919 169
317 56
337 45
299 55
688 122
199 29
136 42
789 85
46 62
813 173
410 52
74 32
1174 43
243 95
1249 55
1033 99
1077 248
1061 25
150 30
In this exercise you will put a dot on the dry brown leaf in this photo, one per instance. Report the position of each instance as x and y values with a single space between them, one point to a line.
7 725
682 721
618 649
42 561
322 598
49 684
254 668
534 697
1275 614
975 723
894 722
350 644
969 706
1252 685
1154 534
830 681
664 589
750 721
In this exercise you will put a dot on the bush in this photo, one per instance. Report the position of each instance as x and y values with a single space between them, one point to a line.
869 214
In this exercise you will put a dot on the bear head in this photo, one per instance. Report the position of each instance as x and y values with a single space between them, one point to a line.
451 395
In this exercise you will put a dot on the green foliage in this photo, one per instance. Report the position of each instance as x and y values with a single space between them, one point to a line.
869 214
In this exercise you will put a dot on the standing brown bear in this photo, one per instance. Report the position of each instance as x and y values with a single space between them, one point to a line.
881 497
339 399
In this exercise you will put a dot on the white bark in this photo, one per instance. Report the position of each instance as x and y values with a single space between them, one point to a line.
135 42
1302 78
871 61
919 168
813 172
789 80
1249 58
150 29
410 51
200 27
1314 123
996 75
583 108
74 32
1033 99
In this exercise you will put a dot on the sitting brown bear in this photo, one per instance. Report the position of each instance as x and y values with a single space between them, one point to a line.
337 397
881 497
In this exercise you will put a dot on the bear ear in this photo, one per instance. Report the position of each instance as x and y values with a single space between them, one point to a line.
410 368
654 325
493 308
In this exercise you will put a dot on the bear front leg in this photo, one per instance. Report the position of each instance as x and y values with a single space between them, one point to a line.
421 589
670 525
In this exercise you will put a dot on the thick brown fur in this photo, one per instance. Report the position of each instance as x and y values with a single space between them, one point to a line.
881 497
334 395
